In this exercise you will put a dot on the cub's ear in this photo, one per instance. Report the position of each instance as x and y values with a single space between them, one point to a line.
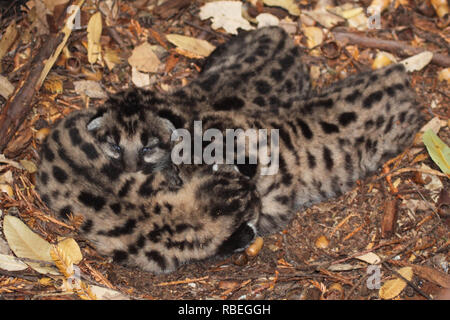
169 125
95 123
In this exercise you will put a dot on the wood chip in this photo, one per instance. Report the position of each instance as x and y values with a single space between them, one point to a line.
389 220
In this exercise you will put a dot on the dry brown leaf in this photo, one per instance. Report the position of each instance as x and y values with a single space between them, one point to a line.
314 36
111 58
290 5
393 288
444 75
171 62
441 7
90 88
94 32
378 6
28 165
195 46
383 59
144 59
370 258
7 189
322 242
71 249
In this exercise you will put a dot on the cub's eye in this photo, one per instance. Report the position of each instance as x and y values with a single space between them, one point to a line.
115 147
146 149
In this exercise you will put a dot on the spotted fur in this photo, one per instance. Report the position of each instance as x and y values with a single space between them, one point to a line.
143 210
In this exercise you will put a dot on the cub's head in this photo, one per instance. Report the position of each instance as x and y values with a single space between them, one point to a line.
131 133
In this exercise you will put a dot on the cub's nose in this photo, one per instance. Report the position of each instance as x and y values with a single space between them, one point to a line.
130 162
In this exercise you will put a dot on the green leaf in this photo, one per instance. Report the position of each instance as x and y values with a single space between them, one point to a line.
438 150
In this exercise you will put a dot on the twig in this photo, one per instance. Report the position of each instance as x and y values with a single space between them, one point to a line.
212 32
357 284
187 280
397 47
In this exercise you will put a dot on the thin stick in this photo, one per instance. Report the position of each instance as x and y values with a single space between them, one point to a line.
389 45
187 280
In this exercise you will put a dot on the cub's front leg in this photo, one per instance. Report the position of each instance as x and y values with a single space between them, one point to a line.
213 213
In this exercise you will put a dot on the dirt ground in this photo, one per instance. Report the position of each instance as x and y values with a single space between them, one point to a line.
395 219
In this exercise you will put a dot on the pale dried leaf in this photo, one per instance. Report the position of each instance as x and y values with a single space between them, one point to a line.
107 294
325 18
226 15
28 165
90 88
140 79
111 58
360 22
6 87
7 177
144 59
444 75
351 13
94 32
314 36
290 5
434 125
383 59
11 263
7 189
393 288
417 62
267 19
27 244
196 46
370 258
71 249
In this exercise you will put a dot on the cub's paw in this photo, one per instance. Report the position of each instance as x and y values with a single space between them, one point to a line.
239 240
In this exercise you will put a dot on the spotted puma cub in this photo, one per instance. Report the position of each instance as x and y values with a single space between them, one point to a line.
113 164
